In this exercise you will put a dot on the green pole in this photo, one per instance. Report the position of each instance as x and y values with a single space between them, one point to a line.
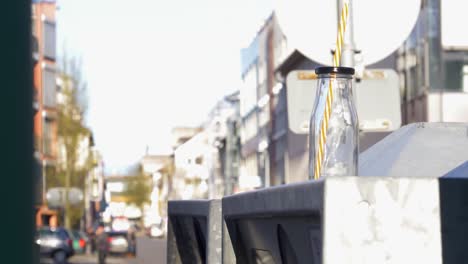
16 132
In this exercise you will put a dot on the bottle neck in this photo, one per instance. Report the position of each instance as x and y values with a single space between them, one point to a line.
335 76
341 84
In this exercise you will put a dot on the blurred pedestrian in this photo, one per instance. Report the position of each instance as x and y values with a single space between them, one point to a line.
131 238
102 244
92 239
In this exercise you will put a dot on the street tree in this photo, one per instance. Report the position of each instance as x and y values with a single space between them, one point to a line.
138 191
72 135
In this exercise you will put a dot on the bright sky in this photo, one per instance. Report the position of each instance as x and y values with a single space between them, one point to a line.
151 65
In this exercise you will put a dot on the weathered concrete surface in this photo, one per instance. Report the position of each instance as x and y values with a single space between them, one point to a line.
150 251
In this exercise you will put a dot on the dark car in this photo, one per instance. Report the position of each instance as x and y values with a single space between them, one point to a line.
55 243
79 241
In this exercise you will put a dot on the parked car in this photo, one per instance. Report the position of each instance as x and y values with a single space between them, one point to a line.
55 243
79 241
118 242
84 235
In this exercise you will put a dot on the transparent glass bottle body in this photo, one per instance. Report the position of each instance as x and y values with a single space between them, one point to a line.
340 156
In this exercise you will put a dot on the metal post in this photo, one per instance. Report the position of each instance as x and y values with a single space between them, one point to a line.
16 109
349 47
347 55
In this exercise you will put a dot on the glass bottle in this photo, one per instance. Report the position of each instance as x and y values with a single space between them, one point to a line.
340 150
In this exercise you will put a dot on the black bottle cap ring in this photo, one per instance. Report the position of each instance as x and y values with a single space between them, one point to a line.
335 70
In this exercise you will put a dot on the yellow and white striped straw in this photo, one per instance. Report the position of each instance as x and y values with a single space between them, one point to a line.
329 99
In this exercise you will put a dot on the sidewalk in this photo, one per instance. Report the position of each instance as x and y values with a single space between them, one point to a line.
150 251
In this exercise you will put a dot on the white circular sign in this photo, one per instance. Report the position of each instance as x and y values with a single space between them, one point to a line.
56 196
380 27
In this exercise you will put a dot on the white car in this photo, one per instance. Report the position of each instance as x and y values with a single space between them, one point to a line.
118 242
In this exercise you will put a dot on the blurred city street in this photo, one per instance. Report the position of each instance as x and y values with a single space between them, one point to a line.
150 251
140 140
92 259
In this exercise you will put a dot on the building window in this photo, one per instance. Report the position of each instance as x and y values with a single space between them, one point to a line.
264 116
248 92
49 47
454 75
249 128
251 165
465 78
262 89
33 26
413 83
48 87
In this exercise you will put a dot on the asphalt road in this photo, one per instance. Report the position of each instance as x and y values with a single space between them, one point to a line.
92 259
149 251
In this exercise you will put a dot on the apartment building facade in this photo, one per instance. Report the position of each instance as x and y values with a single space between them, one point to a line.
45 115
258 63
